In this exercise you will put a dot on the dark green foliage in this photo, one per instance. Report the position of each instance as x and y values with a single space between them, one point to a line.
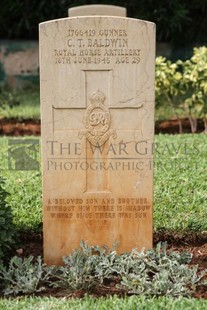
178 21
7 98
7 230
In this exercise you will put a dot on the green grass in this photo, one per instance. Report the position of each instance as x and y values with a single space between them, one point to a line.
112 303
166 112
28 107
180 184
161 113
25 191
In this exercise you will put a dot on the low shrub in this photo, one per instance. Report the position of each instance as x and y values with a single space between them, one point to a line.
7 229
155 272
24 276
182 87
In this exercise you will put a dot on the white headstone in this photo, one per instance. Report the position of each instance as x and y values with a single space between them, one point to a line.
97 99
97 9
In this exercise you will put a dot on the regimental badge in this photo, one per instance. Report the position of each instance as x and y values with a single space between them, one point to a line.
97 121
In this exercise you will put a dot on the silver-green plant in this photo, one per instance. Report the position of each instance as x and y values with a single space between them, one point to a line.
157 272
24 276
153 272
85 268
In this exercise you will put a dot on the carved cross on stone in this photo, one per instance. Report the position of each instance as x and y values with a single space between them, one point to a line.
97 99
102 124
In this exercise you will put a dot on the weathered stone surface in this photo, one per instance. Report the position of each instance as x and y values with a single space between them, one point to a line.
97 9
97 98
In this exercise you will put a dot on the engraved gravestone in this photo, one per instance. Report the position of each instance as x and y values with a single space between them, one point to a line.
97 99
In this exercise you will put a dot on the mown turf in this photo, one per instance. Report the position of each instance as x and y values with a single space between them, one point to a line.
28 106
112 303
180 184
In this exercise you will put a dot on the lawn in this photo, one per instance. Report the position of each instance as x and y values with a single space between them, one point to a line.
112 303
180 184
22 104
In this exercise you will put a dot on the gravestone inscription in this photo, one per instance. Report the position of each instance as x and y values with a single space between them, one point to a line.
97 106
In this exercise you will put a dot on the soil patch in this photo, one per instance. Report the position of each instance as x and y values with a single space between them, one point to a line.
172 126
195 243
14 127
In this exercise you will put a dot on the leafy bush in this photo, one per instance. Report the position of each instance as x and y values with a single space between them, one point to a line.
24 276
194 84
182 86
167 86
154 272
7 229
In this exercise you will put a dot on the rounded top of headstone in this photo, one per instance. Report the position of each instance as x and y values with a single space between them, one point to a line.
97 9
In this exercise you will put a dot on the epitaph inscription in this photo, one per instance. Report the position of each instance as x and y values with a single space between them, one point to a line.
97 98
